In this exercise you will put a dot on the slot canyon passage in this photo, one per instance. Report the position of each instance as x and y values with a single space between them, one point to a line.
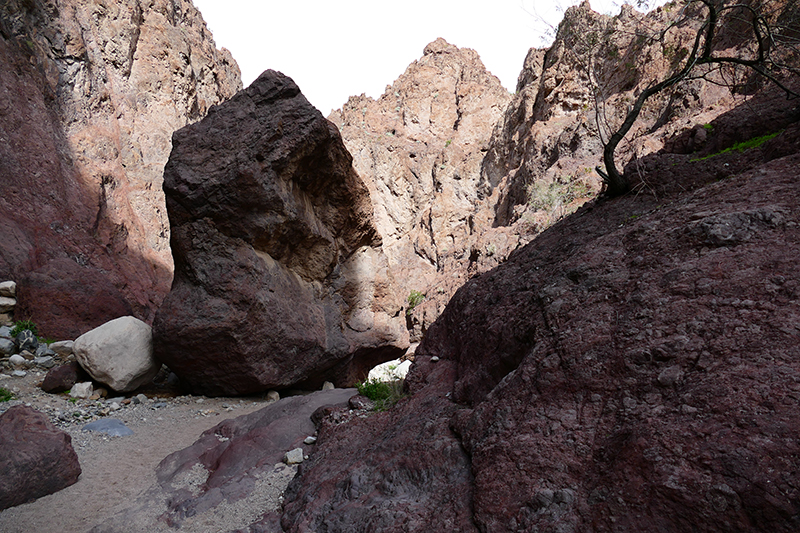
580 361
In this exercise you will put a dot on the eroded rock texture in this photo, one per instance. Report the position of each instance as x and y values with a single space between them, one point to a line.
279 275
95 90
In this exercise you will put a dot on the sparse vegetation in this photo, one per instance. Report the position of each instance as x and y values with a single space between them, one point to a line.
22 325
384 393
5 395
755 142
414 299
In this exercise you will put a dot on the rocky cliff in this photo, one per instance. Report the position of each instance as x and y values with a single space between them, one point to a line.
632 368
96 90
420 149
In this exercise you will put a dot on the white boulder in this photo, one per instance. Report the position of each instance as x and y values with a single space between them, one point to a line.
8 289
82 390
7 304
118 354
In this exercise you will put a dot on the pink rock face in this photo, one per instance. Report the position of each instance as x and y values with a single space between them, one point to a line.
279 279
88 116
36 459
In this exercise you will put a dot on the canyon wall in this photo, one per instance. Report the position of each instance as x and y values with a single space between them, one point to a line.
97 90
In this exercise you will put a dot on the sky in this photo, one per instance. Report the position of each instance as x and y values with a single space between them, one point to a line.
337 49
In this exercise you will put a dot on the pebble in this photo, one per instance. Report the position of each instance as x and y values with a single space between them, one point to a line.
310 440
328 386
273 396
434 359
18 360
159 405
19 373
110 426
294 457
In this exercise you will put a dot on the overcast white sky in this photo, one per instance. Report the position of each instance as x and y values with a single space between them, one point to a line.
337 49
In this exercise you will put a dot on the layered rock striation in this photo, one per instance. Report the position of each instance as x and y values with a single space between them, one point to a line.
279 275
87 115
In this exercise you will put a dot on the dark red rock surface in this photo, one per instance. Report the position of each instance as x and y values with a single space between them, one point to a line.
36 459
635 368
279 279
62 378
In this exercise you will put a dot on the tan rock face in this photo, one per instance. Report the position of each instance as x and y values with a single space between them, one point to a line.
420 148
106 83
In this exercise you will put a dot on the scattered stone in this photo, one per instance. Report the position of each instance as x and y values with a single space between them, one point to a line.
159 405
434 359
18 361
36 459
361 402
45 362
19 373
26 340
310 440
63 348
27 355
7 304
294 457
328 386
63 378
119 353
102 391
43 349
110 426
273 396
140 398
5 332
81 390
7 346
669 376
8 289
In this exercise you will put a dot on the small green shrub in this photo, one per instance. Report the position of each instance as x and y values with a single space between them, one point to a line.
22 325
414 299
708 127
384 393
5 395
448 142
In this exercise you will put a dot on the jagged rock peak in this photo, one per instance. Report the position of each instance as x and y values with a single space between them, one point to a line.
440 46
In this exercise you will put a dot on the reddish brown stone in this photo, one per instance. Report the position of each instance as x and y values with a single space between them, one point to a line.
63 377
36 459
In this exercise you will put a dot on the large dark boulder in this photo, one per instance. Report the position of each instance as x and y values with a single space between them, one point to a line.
279 279
36 459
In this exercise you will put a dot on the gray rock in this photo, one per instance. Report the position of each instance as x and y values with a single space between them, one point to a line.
7 346
81 390
119 353
8 289
19 373
109 426
43 350
26 340
328 386
45 362
310 440
434 359
139 398
294 457
7 304
5 332
670 376
18 361
27 355
62 347
273 396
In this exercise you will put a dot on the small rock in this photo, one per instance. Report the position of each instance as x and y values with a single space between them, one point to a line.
293 457
273 396
18 361
7 304
44 350
63 348
102 392
115 406
45 362
688 409
7 346
310 440
26 340
328 386
434 359
110 426
62 378
361 402
159 405
81 390
669 376
19 373
8 289
27 355
141 398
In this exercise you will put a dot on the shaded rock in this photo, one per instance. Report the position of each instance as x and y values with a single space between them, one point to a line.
62 378
26 341
45 361
279 279
97 92
110 426
18 361
225 466
7 346
118 354
44 350
36 459
293 457
7 304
